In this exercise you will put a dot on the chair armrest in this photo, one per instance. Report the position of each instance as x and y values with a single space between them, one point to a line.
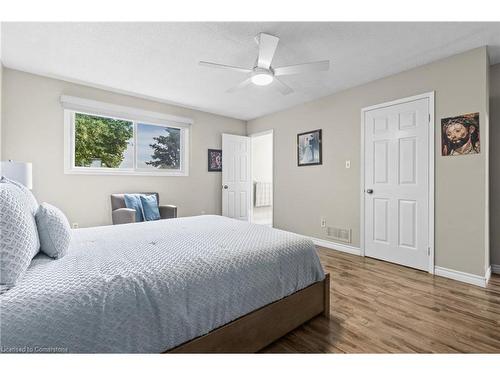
168 211
123 216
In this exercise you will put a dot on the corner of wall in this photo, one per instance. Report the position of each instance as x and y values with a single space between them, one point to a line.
246 127
487 262
494 165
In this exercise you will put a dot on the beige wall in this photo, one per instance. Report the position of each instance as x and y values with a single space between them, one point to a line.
304 195
495 164
33 131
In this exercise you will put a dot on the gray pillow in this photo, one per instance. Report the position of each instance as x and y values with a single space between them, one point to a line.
27 194
18 235
54 230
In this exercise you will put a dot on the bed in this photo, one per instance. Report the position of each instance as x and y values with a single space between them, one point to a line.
198 284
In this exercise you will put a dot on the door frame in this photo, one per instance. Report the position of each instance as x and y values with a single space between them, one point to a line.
431 192
257 134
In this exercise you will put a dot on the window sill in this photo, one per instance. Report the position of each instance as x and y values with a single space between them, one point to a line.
94 172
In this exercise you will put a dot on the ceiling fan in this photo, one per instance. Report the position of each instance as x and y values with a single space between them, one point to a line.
263 74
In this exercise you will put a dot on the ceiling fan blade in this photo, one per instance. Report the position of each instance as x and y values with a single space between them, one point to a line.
225 67
284 89
317 66
267 48
240 86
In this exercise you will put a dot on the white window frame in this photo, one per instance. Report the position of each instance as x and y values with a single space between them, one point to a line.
72 105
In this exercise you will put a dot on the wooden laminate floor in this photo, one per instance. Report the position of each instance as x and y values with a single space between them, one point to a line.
379 307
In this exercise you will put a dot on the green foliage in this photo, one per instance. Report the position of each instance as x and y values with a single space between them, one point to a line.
166 150
101 138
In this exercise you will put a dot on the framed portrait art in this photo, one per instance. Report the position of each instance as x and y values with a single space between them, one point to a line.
214 160
309 148
460 135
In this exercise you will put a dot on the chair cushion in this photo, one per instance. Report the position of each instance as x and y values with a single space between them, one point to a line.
134 201
19 241
150 207
27 194
54 230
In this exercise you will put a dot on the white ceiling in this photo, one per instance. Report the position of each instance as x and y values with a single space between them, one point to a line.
160 60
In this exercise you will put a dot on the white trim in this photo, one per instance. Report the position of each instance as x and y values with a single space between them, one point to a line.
438 271
336 246
87 105
116 172
362 188
430 96
257 134
487 276
399 101
495 268
464 277
432 176
68 142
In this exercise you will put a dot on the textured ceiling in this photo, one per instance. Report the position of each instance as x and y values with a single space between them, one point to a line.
160 60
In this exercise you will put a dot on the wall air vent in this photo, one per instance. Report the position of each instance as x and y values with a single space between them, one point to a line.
339 234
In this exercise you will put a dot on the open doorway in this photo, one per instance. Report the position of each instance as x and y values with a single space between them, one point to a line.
262 178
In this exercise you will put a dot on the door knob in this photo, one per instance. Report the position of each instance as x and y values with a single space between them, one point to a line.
369 191
225 186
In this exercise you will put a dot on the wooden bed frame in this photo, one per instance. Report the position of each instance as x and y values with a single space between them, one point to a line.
256 330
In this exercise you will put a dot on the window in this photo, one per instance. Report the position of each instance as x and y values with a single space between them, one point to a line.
101 143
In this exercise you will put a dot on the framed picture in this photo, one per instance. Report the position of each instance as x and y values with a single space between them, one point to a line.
214 160
309 148
460 135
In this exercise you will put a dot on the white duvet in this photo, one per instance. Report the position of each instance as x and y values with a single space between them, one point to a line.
148 287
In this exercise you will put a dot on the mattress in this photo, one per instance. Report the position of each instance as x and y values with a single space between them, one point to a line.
148 287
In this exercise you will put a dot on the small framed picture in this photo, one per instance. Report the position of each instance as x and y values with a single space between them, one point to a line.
309 148
460 135
214 160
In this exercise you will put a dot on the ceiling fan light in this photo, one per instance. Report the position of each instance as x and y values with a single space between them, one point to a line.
262 79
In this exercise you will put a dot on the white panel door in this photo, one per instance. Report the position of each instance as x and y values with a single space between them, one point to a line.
236 177
396 195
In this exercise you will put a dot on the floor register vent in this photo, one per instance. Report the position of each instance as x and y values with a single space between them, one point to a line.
339 234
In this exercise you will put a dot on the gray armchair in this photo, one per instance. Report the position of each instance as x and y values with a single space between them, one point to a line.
123 215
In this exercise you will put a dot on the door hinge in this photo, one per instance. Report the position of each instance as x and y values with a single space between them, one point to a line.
429 251
429 118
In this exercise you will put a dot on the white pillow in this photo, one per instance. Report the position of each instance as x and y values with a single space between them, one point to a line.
27 194
18 235
54 230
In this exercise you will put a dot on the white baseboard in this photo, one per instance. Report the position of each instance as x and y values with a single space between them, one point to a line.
464 277
495 268
468 278
336 246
